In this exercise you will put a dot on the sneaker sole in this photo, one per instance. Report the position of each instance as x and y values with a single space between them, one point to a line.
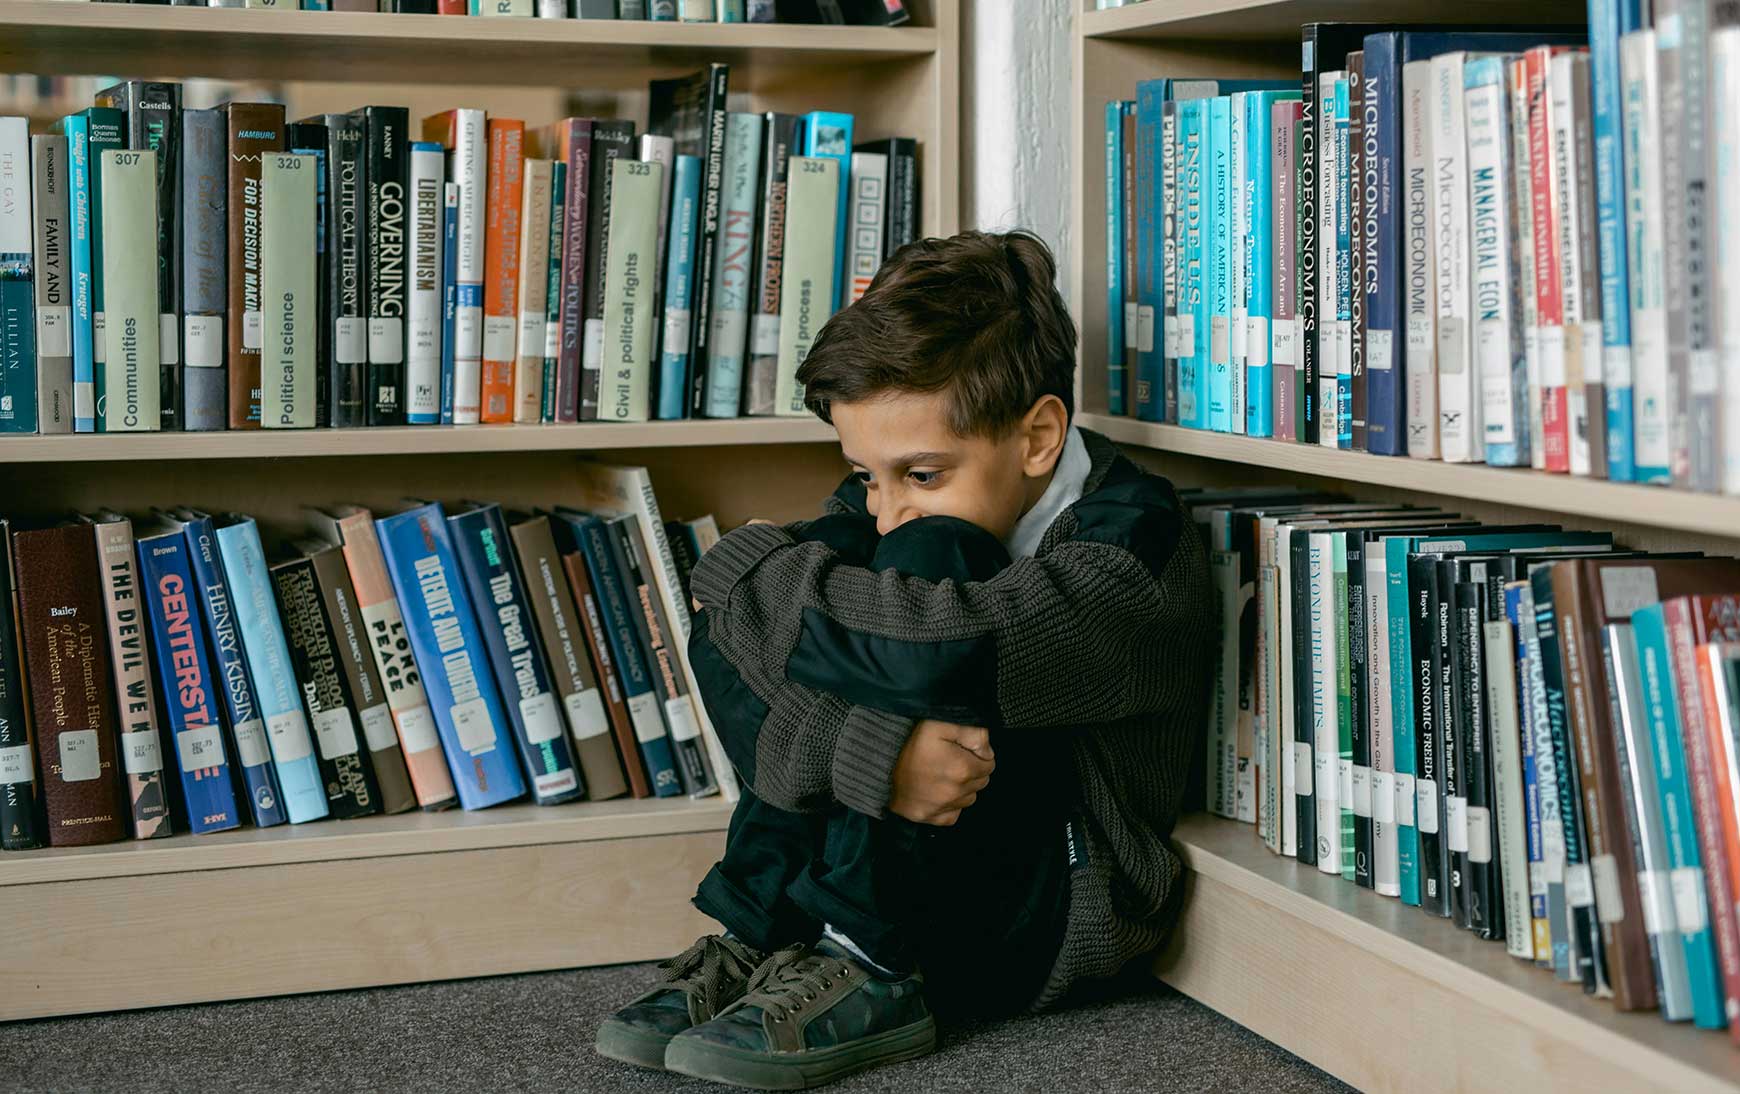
700 1059
632 1046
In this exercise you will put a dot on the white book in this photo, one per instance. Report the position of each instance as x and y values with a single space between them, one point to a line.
532 306
1644 229
807 289
1523 207
662 150
521 9
1380 716
1498 351
469 168
1579 276
869 213
131 330
423 305
1507 789
1328 305
53 296
1325 734
1418 255
629 318
289 293
1460 429
552 9
1724 249
1238 274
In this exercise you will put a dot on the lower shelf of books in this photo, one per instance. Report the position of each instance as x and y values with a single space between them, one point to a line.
336 904
1387 998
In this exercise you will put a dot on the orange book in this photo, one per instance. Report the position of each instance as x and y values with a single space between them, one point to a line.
501 267
1715 807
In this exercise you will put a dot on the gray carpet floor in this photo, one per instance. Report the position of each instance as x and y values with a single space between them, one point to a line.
534 1033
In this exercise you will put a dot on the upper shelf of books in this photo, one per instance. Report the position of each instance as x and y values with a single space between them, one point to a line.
1276 20
49 38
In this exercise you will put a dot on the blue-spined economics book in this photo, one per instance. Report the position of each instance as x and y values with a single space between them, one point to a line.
829 134
1519 613
1146 205
268 658
449 652
185 680
577 531
1216 313
1192 261
449 293
1260 261
1116 210
78 156
679 289
1343 272
1608 21
247 726
1673 786
504 618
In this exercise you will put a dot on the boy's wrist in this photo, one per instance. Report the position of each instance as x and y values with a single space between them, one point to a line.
865 752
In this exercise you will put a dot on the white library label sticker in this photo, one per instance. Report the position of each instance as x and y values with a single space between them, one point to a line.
251 747
1656 896
1257 346
681 713
1302 768
763 332
730 331
586 717
1616 365
1691 912
200 747
54 330
1283 345
80 760
1360 790
289 734
1218 340
1169 337
1551 346
592 345
417 730
1579 891
540 718
336 733
386 340
1404 799
467 331
168 338
1379 350
1609 904
141 754
498 337
1145 328
1426 805
251 323
532 334
472 725
1479 834
1383 797
1131 308
1456 822
676 336
643 711
15 765
552 338
350 341
1186 334
377 724
204 335
1625 589
99 344
1593 357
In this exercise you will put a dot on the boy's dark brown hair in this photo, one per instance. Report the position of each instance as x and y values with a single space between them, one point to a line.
977 314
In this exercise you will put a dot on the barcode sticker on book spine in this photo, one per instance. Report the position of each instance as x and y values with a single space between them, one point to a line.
289 734
1132 337
676 338
251 747
592 345
586 717
335 732
140 752
532 334
386 340
200 747
1404 799
763 332
80 760
350 340
541 720
1145 328
1479 834
1456 822
1655 894
1579 891
251 327
472 725
15 765
1383 797
1360 790
643 711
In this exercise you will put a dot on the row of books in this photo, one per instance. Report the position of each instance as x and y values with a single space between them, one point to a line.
464 655
169 268
1475 246
883 13
1533 732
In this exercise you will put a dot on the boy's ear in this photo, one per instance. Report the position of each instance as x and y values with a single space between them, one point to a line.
1044 429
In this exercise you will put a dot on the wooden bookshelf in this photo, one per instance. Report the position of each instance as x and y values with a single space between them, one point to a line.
389 900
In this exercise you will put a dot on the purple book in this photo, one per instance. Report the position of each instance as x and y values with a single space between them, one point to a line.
574 142
1283 125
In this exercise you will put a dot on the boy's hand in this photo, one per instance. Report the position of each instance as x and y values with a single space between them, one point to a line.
940 772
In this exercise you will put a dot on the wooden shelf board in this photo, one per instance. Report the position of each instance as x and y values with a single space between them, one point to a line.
1546 1016
408 440
1597 499
416 833
48 37
1253 20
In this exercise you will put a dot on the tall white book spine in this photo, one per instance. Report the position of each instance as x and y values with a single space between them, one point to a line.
1724 250
1460 429
532 306
131 326
807 289
289 294
1418 256
1325 732
469 169
423 303
628 291
1498 349
1644 224
1239 273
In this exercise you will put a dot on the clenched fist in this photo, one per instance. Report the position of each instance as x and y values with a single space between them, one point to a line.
940 772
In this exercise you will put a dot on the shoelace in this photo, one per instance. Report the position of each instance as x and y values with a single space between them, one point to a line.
704 969
789 979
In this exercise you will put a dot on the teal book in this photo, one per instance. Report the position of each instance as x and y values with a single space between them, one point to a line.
77 130
105 131
1192 290
1260 257
1116 212
829 135
1343 700
553 289
739 198
1217 241
1343 273
17 288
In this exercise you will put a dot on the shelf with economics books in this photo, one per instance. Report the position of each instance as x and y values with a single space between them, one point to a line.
1210 22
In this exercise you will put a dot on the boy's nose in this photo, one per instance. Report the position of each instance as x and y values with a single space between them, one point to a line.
892 514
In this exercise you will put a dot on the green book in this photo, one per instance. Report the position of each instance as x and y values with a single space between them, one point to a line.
630 273
806 297
107 130
129 370
289 302
1343 702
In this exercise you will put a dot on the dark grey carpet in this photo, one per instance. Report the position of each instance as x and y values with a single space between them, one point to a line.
535 1033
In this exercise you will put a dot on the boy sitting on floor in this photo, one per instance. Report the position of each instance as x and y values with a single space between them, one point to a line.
961 703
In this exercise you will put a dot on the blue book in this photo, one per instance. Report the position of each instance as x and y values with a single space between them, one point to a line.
578 531
449 294
1147 205
739 200
106 131
679 289
184 680
1673 788
78 155
1115 212
829 134
17 343
504 619
1609 20
1343 182
247 726
1258 260
1192 260
1216 313
449 652
1519 612
268 656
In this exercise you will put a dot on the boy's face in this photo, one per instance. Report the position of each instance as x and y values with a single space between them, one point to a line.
913 464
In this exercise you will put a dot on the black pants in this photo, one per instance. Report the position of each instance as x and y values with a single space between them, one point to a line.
978 906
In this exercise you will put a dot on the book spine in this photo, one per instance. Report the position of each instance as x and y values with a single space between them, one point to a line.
204 270
782 135
470 149
501 269
53 286
1310 179
1586 395
1674 103
1380 716
1459 424
1215 366
1711 762
1507 764
1398 700
1606 110
609 679
255 130
1474 738
424 308
387 178
1329 194
731 264
1155 214
624 394
1383 182
1325 704
903 227
289 290
571 300
1539 800
1356 251
1115 212
611 141
553 290
1343 257
1354 766
268 659
107 132
1640 93
1221 767
1544 210
1523 231
1725 247
77 129
870 175
154 123
1259 264
1189 390
347 250
531 304
18 354
20 797
679 291
1238 237
1500 364
1293 556
711 150
1429 713
448 651
1450 684
1576 899
655 632
449 295
806 283
132 327
830 135
1283 326
141 747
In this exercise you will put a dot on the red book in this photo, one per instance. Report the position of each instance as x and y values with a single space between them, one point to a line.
452 7
501 268
1555 436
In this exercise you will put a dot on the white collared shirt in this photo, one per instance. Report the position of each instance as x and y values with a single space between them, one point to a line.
1067 480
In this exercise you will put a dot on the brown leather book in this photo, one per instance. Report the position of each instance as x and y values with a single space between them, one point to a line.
255 128
66 661
358 665
586 605
1588 595
565 648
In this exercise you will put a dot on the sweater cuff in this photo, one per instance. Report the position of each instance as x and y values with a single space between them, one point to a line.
865 752
726 562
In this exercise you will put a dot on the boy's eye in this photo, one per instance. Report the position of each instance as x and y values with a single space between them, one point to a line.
863 477
924 478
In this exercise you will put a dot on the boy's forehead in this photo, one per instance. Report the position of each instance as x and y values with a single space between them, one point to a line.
896 425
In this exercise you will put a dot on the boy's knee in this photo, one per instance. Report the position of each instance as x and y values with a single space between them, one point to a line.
942 548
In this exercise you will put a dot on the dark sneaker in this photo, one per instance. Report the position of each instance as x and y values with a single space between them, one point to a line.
698 983
810 1015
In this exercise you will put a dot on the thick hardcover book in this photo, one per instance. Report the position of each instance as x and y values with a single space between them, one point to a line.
383 626
531 304
17 292
782 137
625 385
368 694
255 129
1640 94
20 816
864 252
673 372
509 633
611 141
247 726
903 212
448 649
129 374
1155 168
574 149
388 177
610 681
351 787
807 279
423 306
289 292
53 270
347 249
729 339
268 659
139 731
553 290
463 134
502 268
204 252
572 676
154 122
192 707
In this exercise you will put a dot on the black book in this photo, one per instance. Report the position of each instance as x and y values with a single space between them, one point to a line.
904 215
1474 737
415 7
154 122
1428 771
1452 726
389 168
309 137
595 9
691 111
1305 801
611 140
20 810
345 298
782 137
